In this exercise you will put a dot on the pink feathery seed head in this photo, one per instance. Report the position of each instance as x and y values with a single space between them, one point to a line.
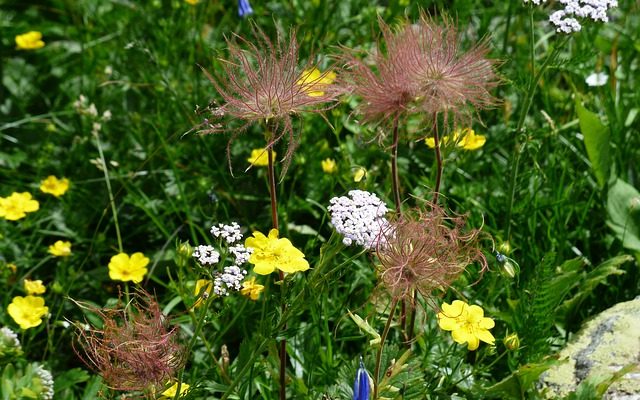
135 350
426 251
453 82
264 82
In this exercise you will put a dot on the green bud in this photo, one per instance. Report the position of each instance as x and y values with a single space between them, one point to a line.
512 342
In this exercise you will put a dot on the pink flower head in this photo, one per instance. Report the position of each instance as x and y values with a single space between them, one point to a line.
265 83
425 251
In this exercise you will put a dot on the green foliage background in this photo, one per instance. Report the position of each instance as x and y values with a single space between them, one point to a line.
573 208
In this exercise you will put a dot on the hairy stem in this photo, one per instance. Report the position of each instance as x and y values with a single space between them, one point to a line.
395 180
412 321
436 140
274 221
385 332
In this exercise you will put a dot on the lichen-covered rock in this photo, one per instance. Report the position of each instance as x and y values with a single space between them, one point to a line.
606 343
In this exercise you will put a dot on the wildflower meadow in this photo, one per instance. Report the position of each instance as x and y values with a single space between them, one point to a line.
362 200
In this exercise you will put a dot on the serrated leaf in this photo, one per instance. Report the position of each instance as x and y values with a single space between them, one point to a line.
520 381
623 209
596 140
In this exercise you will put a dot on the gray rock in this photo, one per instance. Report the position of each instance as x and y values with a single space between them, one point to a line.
604 345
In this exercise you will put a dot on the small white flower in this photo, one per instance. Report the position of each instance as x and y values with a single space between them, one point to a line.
240 253
9 337
230 279
46 382
230 233
597 79
206 255
360 218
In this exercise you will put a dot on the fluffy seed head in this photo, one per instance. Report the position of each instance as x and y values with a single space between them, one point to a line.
135 350
264 82
425 251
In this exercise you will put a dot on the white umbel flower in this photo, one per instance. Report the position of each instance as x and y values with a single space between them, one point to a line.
597 79
206 255
230 280
566 19
360 218
230 233
46 381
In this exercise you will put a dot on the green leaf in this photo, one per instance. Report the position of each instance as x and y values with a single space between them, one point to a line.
596 140
623 209
516 385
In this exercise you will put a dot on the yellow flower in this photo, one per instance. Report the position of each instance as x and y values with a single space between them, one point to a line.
251 289
29 41
312 81
466 323
27 311
260 157
192 2
171 392
125 268
54 186
329 166
34 287
271 253
471 141
359 174
17 206
60 249
203 290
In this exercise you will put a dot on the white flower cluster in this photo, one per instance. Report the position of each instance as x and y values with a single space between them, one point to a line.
206 255
230 280
46 381
565 20
359 218
230 233
9 338
240 253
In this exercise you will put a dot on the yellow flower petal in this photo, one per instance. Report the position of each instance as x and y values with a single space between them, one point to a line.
260 157
359 174
34 287
27 311
312 81
60 249
125 268
54 186
17 206
329 166
29 41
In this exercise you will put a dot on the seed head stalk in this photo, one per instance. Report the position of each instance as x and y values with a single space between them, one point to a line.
275 225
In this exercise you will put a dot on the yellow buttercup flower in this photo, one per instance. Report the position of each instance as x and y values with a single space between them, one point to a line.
359 174
27 311
29 41
251 289
60 249
260 157
471 141
203 290
171 392
271 253
465 138
17 206
192 2
312 81
34 287
466 323
54 186
329 165
125 268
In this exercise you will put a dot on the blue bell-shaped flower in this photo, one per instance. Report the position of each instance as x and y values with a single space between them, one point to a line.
244 8
361 387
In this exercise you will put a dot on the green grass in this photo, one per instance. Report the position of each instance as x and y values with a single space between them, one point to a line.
140 61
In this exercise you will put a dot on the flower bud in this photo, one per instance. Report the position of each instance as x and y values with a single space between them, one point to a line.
512 342
361 386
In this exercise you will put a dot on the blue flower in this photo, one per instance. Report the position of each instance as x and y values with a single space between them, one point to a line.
244 8
361 388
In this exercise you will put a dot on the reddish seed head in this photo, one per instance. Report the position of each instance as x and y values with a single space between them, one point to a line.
419 68
136 349
264 82
425 251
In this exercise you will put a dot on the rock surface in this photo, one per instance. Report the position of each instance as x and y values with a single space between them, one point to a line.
606 343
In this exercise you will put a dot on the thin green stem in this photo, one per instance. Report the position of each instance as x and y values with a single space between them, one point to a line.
395 180
518 147
112 202
385 332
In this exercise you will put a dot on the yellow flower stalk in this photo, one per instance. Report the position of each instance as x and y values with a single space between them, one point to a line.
60 249
271 253
251 289
17 206
466 323
31 40
54 186
27 311
34 287
260 157
125 268
329 166
312 81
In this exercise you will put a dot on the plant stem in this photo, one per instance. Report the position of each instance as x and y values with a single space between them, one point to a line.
518 148
385 332
395 180
412 321
112 201
436 140
274 221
